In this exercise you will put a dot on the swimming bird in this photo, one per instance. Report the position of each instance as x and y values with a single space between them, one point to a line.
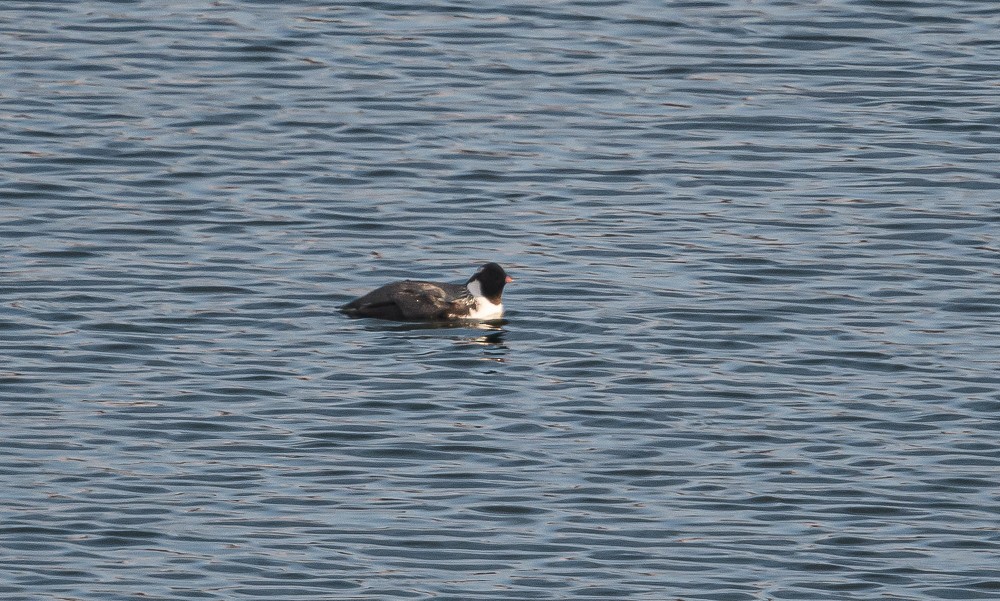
409 300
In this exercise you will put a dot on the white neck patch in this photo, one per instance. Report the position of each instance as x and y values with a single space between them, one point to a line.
475 289
483 309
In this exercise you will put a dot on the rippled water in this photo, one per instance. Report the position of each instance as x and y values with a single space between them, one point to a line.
751 352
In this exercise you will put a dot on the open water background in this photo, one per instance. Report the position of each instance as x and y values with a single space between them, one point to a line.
751 352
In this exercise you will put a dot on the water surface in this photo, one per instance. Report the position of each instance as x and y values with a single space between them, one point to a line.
750 353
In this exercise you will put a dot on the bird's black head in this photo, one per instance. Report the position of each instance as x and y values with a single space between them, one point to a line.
491 278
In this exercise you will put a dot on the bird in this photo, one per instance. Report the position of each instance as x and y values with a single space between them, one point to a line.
409 300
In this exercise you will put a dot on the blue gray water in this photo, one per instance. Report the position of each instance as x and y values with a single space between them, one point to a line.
751 352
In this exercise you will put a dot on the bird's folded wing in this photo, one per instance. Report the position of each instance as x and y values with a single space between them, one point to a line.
421 300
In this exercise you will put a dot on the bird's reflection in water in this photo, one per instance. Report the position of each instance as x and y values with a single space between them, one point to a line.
494 338
494 348
489 334
416 326
493 341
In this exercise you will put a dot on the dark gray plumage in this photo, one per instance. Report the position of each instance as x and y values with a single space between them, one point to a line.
479 298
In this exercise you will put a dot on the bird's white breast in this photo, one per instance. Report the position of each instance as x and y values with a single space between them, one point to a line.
484 309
